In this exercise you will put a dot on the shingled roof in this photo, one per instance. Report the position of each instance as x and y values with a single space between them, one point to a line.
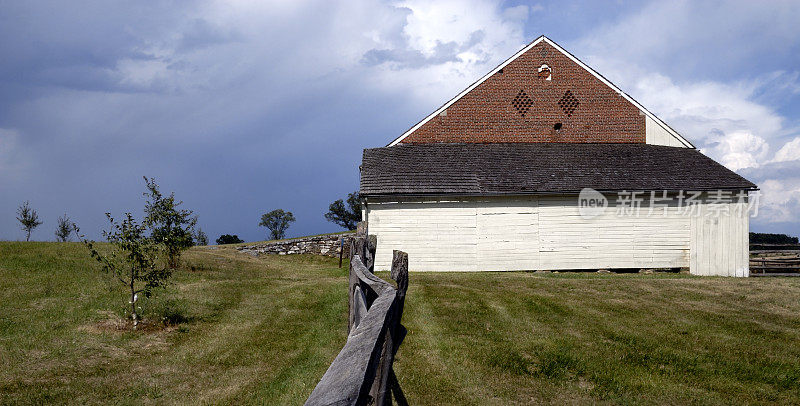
498 169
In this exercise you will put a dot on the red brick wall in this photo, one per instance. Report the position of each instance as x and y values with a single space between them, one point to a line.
487 113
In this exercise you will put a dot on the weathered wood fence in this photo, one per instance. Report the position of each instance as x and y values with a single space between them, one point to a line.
774 259
362 373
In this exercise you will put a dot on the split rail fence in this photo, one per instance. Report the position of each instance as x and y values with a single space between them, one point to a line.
774 259
362 373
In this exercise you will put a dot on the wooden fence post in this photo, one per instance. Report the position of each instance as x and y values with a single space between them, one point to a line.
357 247
399 273
341 251
386 381
371 248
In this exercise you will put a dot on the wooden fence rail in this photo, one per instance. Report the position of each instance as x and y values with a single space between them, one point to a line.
774 260
774 247
362 373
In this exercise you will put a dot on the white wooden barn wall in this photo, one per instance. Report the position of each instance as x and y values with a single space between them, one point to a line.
721 244
547 232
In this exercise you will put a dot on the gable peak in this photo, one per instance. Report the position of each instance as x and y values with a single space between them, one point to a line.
544 71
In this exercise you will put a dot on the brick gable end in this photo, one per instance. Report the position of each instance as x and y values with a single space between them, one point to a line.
520 104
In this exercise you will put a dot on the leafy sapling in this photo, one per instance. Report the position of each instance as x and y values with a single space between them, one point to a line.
28 218
169 225
135 260
200 237
63 229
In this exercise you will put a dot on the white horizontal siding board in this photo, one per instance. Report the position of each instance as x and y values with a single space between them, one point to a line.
436 235
545 232
445 235
507 233
609 240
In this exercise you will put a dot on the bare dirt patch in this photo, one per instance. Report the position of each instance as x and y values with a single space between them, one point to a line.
115 324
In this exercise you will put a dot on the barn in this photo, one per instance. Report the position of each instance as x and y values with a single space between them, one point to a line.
543 164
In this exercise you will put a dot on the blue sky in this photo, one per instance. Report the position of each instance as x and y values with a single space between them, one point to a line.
241 107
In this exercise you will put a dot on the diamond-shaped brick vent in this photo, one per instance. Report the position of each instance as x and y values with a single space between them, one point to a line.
568 103
522 103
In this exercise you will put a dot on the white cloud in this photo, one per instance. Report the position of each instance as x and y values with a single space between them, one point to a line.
428 50
719 118
520 13
462 39
788 152
779 201
737 150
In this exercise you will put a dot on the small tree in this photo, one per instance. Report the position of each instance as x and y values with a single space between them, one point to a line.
63 229
169 225
277 221
200 238
229 239
346 216
134 260
29 219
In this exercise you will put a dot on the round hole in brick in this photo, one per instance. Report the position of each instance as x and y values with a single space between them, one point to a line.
557 126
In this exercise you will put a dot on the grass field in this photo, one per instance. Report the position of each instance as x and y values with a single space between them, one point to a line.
263 330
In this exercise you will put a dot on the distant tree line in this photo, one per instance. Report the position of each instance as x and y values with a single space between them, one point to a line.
177 229
767 238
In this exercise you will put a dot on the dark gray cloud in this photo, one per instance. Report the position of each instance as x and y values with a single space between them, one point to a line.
200 34
94 98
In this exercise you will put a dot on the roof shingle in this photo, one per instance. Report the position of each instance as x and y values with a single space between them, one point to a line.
496 169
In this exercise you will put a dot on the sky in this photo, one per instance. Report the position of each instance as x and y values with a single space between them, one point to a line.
241 107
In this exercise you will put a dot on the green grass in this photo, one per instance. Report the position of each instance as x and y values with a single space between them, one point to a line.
263 330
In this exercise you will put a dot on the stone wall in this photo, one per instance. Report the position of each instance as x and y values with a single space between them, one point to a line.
328 245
